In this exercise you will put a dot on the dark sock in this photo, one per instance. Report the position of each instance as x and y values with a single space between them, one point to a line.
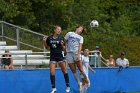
52 77
66 76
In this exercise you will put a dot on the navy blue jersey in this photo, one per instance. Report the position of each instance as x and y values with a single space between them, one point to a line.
55 44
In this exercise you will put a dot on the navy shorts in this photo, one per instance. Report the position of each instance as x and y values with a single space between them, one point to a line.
56 58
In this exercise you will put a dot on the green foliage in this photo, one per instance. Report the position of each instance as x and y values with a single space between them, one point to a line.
119 21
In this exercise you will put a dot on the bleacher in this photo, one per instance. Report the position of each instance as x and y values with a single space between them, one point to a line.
23 58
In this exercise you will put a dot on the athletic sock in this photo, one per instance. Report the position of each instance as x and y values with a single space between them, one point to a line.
52 77
66 76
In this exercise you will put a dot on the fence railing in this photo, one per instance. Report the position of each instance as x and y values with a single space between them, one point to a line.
42 58
97 60
21 36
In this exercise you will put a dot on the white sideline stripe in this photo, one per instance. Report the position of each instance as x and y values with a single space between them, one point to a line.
31 62
2 43
8 47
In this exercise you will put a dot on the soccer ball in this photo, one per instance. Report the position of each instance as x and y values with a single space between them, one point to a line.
94 23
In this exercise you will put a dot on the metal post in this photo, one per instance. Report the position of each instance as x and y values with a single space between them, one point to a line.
92 60
20 66
99 61
26 63
95 61
18 41
45 50
2 31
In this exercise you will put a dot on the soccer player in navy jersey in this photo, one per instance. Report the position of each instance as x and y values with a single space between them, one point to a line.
56 45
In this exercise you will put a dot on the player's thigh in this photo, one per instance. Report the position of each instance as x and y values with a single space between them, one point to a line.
72 67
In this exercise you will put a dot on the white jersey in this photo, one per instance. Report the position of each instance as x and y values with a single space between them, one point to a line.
73 42
121 62
85 61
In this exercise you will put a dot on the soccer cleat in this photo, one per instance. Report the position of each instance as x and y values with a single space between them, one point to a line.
68 89
53 90
84 89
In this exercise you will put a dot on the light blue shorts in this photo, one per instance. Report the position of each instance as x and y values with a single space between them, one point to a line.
71 57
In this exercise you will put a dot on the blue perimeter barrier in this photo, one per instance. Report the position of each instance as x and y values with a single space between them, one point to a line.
105 80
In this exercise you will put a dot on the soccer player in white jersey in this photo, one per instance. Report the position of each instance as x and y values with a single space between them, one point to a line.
74 43
85 61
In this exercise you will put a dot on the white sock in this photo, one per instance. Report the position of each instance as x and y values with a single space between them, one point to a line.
85 88
76 77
